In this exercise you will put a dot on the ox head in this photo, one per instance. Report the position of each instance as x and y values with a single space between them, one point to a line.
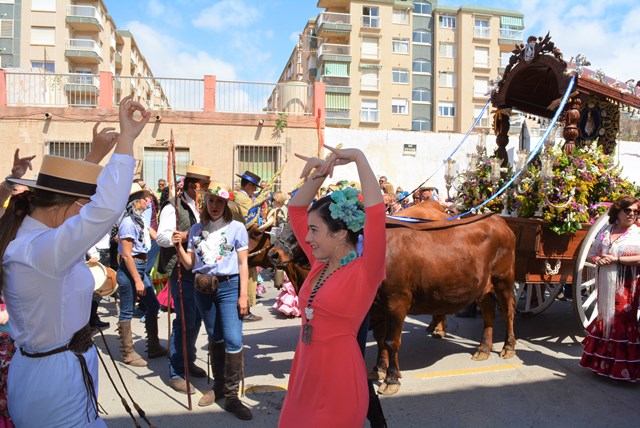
286 249
259 244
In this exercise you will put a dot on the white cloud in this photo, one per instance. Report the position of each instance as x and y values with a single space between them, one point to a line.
294 37
169 57
155 8
606 32
227 15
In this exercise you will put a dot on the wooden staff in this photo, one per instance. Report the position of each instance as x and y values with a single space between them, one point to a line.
320 136
184 326
170 184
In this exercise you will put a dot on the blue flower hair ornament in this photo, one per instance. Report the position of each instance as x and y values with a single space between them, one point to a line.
346 206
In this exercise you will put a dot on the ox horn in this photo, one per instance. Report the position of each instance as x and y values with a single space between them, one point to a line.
269 223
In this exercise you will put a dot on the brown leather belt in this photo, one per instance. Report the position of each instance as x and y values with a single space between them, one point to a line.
140 256
223 278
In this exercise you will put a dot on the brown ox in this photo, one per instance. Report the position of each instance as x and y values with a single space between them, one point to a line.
440 270
286 254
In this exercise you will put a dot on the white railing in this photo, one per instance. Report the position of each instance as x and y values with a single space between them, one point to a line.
335 80
86 45
113 42
52 90
293 98
134 57
332 49
510 34
334 18
84 12
482 32
161 93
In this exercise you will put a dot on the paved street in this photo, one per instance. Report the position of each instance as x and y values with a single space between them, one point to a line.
543 386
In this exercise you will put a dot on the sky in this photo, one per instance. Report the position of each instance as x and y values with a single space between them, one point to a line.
252 40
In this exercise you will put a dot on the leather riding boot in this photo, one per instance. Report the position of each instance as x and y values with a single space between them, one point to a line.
129 355
154 349
216 357
233 374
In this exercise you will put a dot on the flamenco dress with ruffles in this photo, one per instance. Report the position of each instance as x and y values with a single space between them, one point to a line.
612 344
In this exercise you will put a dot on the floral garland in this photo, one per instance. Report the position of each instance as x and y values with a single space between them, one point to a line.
348 207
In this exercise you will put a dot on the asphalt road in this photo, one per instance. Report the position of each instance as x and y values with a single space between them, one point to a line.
543 386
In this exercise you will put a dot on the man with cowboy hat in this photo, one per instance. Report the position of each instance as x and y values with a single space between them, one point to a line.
188 215
249 183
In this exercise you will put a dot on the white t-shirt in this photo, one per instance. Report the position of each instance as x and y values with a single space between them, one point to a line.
216 246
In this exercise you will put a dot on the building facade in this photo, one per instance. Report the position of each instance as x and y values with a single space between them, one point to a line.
404 65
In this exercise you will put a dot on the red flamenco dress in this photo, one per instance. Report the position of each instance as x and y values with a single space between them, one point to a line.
612 344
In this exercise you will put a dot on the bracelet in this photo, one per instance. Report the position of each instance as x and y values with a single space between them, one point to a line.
6 186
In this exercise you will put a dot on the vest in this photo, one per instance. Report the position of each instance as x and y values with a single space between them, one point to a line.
168 256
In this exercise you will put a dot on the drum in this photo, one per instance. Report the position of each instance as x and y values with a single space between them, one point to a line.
104 280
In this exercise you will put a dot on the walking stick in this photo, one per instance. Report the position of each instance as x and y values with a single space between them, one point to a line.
171 185
320 135
184 326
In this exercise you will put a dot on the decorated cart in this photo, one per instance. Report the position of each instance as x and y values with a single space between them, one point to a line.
557 194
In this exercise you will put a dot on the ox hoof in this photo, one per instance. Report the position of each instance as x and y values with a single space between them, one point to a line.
377 375
438 334
480 356
507 353
389 389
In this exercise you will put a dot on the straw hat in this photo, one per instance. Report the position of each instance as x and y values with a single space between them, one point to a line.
251 177
198 172
218 189
63 175
136 188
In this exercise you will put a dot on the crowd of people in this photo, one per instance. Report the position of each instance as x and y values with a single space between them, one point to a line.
76 211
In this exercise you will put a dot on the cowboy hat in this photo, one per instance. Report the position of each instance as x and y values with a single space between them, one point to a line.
250 177
63 175
198 172
136 188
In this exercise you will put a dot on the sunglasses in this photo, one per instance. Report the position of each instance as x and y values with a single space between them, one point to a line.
628 211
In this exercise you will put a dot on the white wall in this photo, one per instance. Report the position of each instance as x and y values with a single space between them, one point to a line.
384 150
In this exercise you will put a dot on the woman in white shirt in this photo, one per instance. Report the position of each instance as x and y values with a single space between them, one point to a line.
217 252
53 377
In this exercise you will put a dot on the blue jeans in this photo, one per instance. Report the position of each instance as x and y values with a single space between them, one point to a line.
152 255
127 291
220 315
192 325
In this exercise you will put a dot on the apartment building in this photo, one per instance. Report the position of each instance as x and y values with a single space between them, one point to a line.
404 65
77 40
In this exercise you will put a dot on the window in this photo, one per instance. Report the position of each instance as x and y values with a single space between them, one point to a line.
421 8
481 29
447 21
422 36
370 17
369 79
263 161
154 165
336 69
45 5
6 61
400 75
421 95
370 47
446 109
337 102
48 66
447 50
400 46
446 79
421 124
484 122
400 17
369 111
71 149
481 57
43 36
6 28
421 65
480 87
399 106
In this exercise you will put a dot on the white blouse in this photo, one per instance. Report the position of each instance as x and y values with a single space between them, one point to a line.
48 287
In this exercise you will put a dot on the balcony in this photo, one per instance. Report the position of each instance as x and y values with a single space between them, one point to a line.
335 83
481 33
334 53
84 18
81 82
338 118
508 36
331 23
118 59
83 51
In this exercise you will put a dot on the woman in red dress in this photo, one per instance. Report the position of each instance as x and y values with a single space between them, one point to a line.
612 345
328 382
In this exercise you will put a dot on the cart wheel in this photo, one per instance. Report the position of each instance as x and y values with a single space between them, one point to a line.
532 299
584 273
